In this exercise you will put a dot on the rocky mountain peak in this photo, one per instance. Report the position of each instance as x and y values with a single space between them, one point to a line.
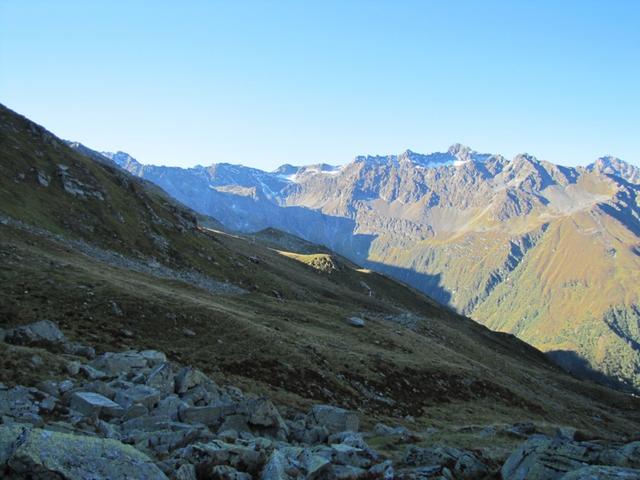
525 158
459 150
121 158
610 165
286 169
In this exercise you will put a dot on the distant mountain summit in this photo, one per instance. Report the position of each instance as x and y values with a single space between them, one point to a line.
547 252
614 166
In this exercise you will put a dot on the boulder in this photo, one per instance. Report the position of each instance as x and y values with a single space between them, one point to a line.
545 458
48 386
356 322
170 406
346 472
353 439
300 432
98 386
91 373
185 472
217 452
599 472
120 363
135 411
65 385
386 430
153 357
223 472
464 464
289 463
626 456
188 332
167 437
80 350
234 424
429 472
91 403
342 454
9 434
20 404
44 333
162 378
263 416
382 471
522 429
189 378
334 419
73 367
137 394
469 467
37 453
210 415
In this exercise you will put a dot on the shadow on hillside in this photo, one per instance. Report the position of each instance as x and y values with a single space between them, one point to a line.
430 285
579 367
627 212
336 233
252 213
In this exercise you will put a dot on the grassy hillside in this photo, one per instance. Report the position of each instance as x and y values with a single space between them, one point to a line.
119 265
585 275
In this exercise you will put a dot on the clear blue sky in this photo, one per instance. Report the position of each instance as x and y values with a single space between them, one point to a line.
264 83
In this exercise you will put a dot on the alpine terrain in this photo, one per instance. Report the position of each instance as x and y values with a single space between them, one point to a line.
141 340
548 253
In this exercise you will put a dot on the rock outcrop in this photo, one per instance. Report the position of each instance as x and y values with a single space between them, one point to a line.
136 414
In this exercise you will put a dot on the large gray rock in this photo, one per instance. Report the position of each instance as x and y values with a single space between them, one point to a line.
166 437
210 415
19 403
353 439
356 322
464 464
137 394
36 453
162 378
170 406
91 373
334 419
44 333
218 452
153 357
78 349
346 472
189 378
603 473
300 432
263 416
185 472
119 363
626 456
224 472
91 403
544 458
289 463
342 454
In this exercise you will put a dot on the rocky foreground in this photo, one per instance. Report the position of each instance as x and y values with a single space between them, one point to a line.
136 415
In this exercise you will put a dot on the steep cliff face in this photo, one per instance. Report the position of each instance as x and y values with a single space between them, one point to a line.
522 245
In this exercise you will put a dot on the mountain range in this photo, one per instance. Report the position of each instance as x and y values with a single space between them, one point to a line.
142 339
546 252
